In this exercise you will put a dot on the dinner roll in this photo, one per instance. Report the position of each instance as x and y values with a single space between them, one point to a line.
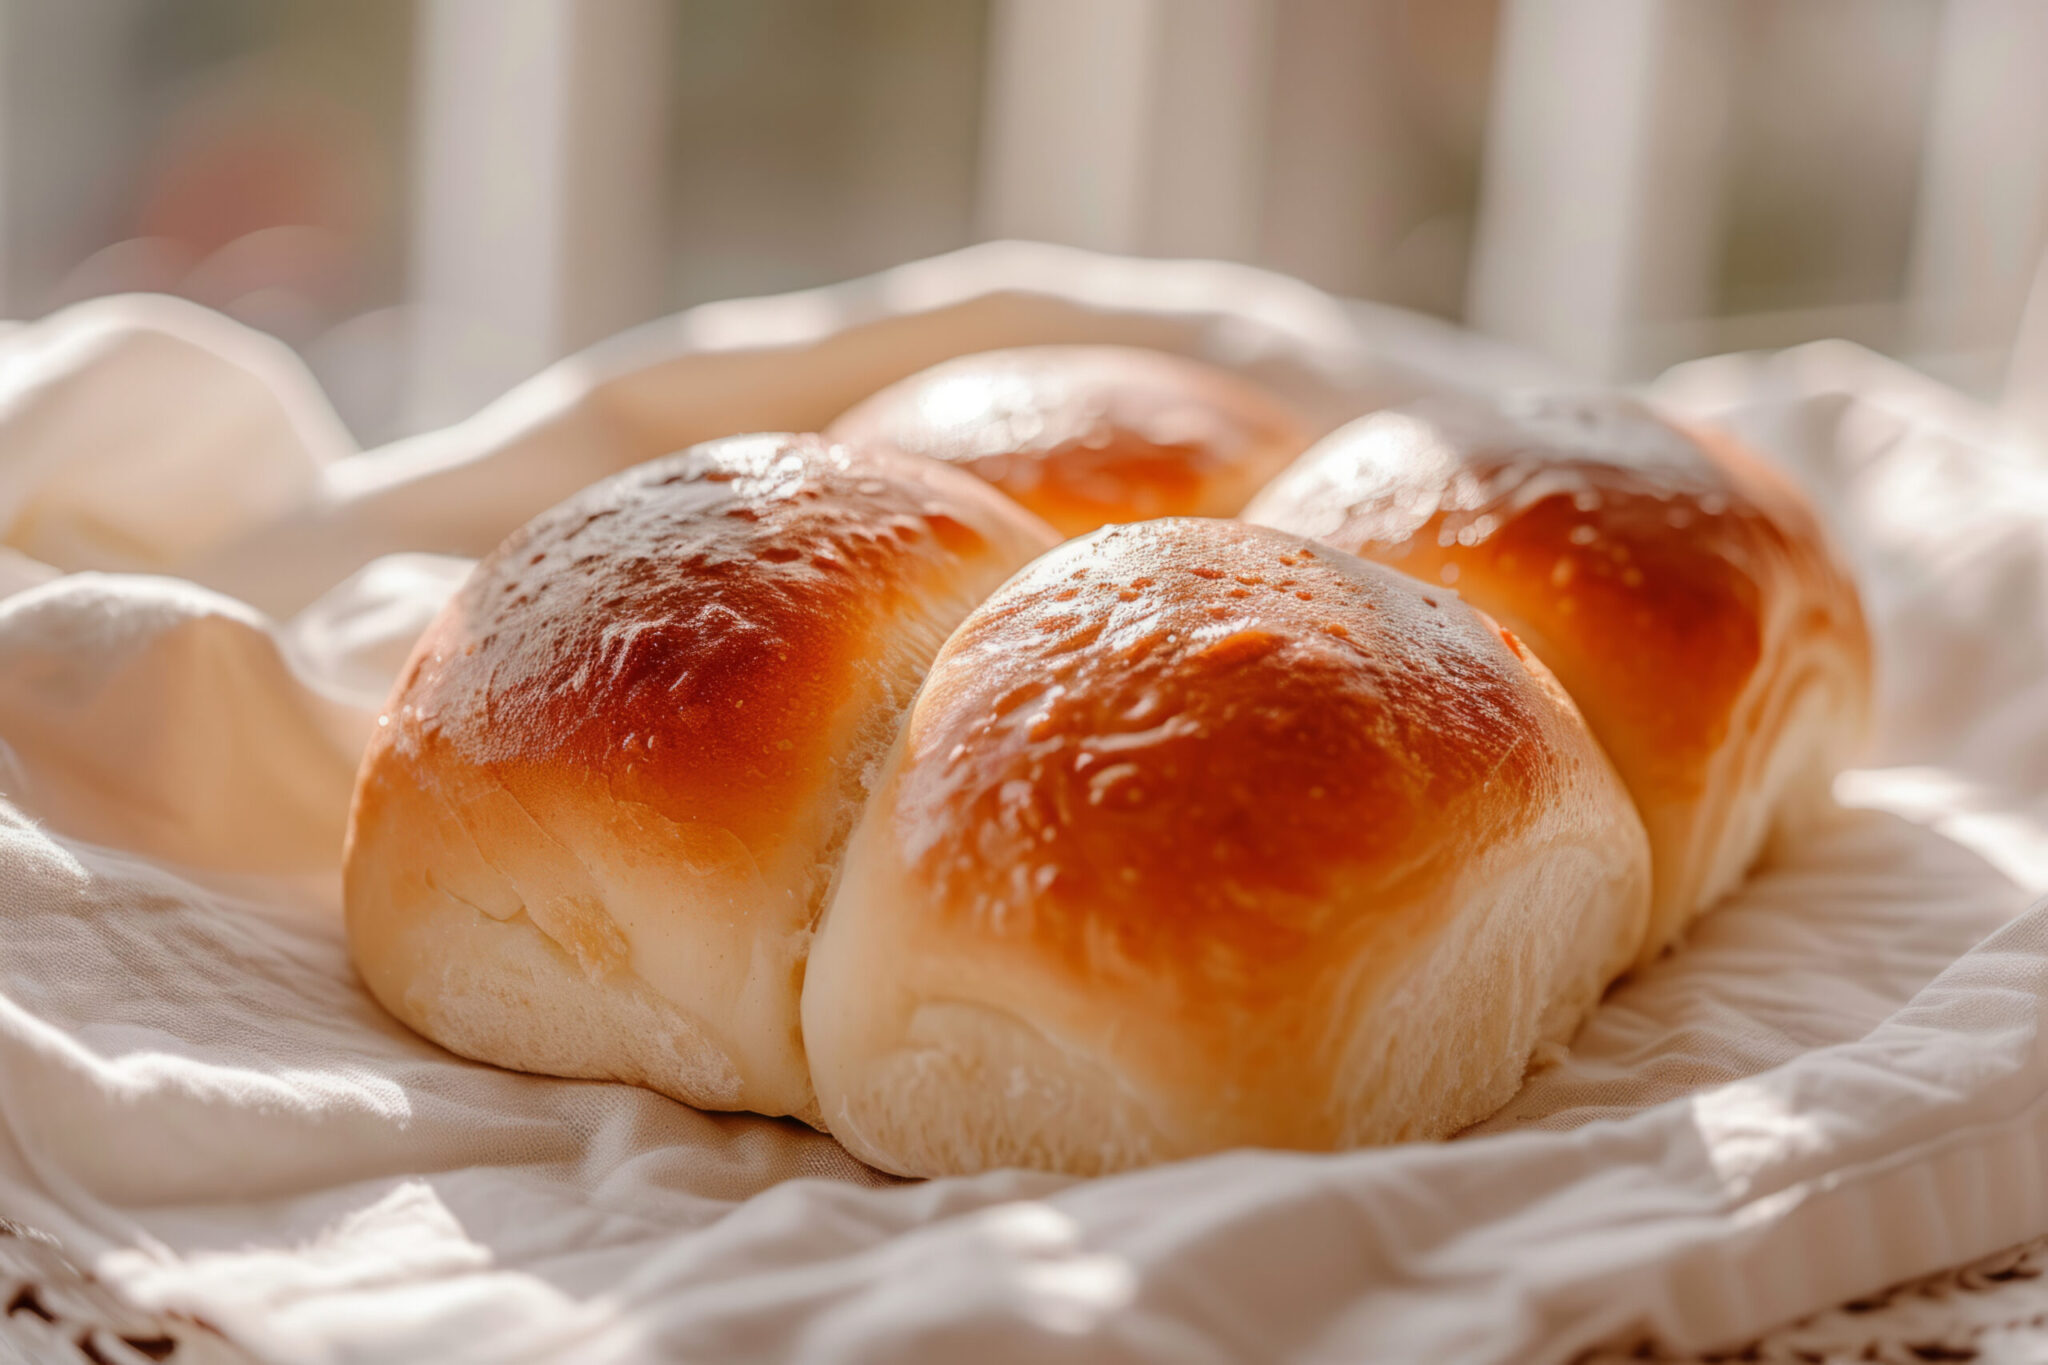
597 823
1202 835
1683 591
1087 435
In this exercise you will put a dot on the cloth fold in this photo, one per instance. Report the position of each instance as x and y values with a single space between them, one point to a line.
1836 1083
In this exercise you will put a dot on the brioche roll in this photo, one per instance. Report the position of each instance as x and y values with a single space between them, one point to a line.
1202 835
599 818
1683 591
1088 435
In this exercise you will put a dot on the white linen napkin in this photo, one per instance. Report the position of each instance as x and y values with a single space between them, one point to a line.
1835 1084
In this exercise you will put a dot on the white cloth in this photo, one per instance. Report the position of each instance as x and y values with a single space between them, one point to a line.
1838 1083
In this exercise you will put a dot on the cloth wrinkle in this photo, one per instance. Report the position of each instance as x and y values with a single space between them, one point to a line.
1840 1070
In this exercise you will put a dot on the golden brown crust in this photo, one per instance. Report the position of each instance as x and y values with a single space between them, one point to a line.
1165 741
1089 435
676 631
676 679
1182 812
1668 580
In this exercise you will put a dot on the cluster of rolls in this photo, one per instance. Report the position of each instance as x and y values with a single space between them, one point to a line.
1299 802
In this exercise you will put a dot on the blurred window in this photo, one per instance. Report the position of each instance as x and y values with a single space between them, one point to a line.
431 199
810 143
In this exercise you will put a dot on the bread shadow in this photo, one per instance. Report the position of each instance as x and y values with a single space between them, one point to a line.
576 1183
1822 943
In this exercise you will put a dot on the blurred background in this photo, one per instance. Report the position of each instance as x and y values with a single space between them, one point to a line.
432 199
